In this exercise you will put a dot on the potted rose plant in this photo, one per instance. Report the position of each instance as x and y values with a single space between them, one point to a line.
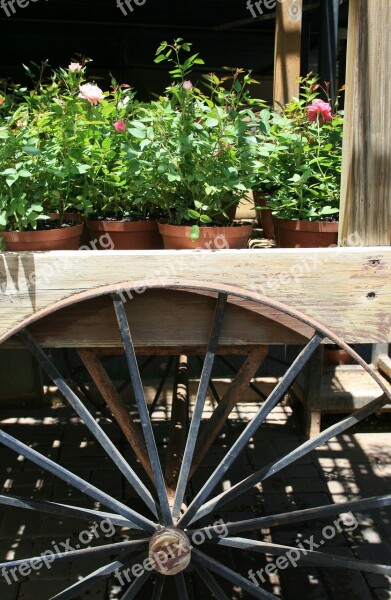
307 169
26 183
197 152
91 139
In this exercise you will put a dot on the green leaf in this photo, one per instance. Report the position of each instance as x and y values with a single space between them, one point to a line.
160 58
193 214
173 177
194 233
24 173
205 219
106 143
31 150
3 218
211 122
137 133
327 210
145 143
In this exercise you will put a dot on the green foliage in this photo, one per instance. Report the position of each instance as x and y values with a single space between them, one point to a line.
300 160
188 155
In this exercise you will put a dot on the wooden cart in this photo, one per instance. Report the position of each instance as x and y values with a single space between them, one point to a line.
190 302
206 302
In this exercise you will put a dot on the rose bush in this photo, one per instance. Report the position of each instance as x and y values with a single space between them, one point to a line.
302 145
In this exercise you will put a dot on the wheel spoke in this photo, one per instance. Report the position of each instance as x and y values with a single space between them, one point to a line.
251 428
95 552
306 556
297 516
181 586
211 582
235 578
88 419
227 403
142 408
296 454
77 482
116 405
136 585
199 404
65 510
85 583
158 587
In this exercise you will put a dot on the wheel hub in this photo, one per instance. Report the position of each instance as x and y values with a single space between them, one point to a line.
169 551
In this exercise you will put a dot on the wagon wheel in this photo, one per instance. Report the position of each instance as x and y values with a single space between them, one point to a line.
174 531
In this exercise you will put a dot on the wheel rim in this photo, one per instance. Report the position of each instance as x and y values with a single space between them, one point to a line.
177 517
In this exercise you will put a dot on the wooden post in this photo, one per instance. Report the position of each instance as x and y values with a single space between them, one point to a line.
366 166
287 52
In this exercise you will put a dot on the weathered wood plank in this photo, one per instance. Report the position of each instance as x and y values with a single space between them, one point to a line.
384 365
287 50
161 319
366 168
346 289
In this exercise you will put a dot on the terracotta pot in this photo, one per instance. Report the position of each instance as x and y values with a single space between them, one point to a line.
85 237
124 235
264 217
332 355
305 234
64 238
177 237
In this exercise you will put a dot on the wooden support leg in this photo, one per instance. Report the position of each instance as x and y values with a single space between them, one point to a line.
114 402
228 402
312 421
311 393
177 434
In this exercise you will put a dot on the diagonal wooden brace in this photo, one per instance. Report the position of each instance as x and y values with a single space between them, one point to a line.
228 402
113 400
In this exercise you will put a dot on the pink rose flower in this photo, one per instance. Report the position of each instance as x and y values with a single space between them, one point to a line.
187 85
75 67
120 127
92 93
1 101
319 110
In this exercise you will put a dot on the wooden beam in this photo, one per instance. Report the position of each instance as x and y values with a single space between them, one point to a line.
130 429
366 167
346 289
384 365
177 434
232 396
287 52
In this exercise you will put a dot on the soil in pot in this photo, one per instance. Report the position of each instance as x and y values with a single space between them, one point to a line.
264 217
51 234
305 234
111 234
233 236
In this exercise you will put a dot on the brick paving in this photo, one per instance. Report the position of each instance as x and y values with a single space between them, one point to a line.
356 464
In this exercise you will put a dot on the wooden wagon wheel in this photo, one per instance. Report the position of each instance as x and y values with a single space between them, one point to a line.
175 531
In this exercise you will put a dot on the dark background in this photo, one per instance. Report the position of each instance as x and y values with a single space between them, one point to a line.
222 31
